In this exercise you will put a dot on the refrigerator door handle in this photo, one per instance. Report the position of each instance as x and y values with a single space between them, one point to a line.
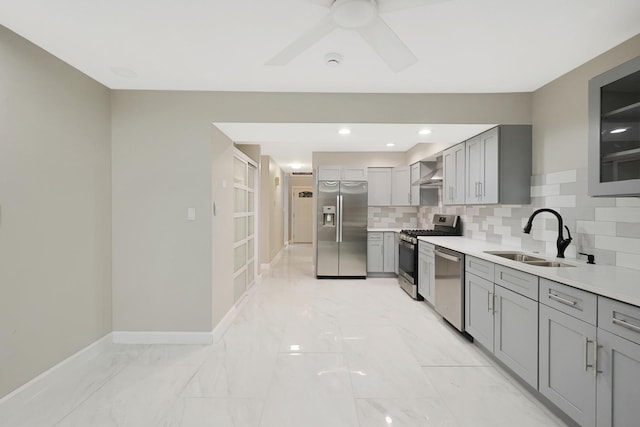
340 216
338 223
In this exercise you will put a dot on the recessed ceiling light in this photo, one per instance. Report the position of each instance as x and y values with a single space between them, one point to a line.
344 131
619 130
424 132
391 144
296 166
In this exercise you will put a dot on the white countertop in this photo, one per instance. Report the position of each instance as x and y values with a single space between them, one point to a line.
619 283
381 230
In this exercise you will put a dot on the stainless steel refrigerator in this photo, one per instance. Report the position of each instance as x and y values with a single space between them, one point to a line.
341 229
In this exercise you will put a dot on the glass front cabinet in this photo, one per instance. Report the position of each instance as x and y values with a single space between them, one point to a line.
614 131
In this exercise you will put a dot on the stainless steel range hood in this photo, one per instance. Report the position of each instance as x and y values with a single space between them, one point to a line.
431 175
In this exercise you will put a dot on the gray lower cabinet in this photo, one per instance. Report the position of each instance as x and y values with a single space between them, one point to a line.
382 252
426 272
504 322
375 252
478 310
567 376
389 262
396 252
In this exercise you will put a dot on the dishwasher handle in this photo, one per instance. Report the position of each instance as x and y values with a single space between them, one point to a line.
447 256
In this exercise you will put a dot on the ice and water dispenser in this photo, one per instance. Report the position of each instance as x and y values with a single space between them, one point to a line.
328 216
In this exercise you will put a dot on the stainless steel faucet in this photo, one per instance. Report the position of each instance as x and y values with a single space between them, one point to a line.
561 243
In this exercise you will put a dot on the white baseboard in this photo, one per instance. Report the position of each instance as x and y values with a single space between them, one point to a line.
161 337
33 387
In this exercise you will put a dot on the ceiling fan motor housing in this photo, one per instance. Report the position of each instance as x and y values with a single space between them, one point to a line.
352 14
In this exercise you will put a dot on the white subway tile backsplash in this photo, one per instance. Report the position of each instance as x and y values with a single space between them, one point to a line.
545 190
594 222
618 214
618 244
627 260
562 177
603 228
628 201
560 201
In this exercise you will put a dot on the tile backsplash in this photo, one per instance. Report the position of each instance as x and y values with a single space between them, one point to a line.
393 217
607 227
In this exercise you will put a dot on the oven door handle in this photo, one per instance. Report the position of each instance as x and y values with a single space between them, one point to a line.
447 256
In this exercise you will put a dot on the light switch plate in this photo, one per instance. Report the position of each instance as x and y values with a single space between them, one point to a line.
191 214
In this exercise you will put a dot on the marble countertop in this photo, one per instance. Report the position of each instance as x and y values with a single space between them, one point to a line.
619 283
380 230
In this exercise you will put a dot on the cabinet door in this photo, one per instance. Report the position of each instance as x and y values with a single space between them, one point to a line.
375 252
618 382
488 188
474 170
400 186
459 186
354 174
389 261
431 278
396 252
423 278
516 333
478 309
449 176
379 193
415 186
566 364
329 173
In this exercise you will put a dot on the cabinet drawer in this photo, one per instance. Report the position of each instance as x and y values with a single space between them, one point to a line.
575 302
517 281
619 318
479 267
377 236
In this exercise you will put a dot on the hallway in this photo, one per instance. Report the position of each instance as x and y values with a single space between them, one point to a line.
303 353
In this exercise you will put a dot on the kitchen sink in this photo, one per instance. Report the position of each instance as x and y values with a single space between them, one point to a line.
548 264
515 256
528 259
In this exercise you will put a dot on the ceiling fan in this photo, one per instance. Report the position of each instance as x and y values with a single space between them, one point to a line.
361 16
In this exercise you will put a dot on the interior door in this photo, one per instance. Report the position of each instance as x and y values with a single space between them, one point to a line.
302 215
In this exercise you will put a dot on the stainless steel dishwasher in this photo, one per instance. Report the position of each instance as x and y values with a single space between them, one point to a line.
449 272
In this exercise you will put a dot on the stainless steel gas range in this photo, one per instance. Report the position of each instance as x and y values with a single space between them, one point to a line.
444 225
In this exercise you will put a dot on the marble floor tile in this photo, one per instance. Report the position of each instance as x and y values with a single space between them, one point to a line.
311 390
300 352
405 412
214 412
483 396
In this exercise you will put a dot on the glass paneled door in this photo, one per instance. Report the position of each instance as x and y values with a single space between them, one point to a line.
244 223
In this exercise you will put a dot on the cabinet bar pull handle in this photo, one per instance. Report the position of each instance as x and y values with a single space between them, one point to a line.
596 347
562 300
586 354
627 325
489 301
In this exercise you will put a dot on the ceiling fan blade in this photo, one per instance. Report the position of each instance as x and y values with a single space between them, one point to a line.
388 45
323 3
302 43
391 5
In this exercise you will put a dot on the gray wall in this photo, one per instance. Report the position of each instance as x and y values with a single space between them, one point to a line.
55 211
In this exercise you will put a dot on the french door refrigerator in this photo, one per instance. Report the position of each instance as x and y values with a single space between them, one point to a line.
342 229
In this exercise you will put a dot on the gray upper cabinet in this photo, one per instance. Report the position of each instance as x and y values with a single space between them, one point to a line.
498 166
345 173
453 186
401 186
379 193
614 131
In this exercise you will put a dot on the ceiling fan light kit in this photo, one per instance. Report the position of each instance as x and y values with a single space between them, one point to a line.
361 16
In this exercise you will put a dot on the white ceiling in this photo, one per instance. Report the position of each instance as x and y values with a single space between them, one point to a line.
462 45
293 143
222 45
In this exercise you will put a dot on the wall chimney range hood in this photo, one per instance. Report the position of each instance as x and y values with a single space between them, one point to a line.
433 176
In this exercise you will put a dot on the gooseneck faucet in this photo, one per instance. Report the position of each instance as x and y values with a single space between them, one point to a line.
561 243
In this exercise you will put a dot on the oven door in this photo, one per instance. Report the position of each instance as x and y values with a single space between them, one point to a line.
407 261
